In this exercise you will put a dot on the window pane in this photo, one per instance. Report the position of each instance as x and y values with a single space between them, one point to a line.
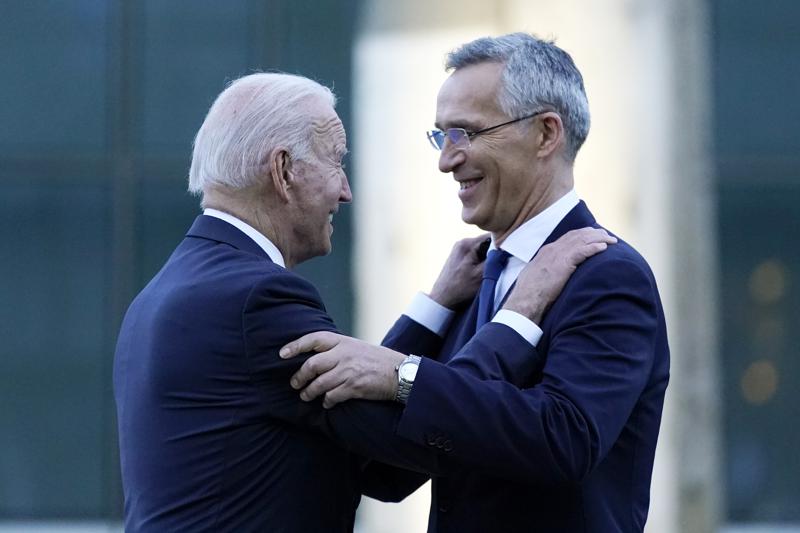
191 49
53 324
755 113
166 212
54 70
760 363
756 45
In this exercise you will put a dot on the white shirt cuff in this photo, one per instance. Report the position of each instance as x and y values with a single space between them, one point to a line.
526 328
425 311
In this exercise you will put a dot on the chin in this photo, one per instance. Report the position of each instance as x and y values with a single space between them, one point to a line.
472 218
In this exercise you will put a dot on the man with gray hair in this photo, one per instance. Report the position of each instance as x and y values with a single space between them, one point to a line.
212 437
574 443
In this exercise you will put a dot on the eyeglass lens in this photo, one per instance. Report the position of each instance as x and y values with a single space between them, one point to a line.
456 136
436 137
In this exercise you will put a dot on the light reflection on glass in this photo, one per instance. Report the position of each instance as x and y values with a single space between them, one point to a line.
768 281
760 382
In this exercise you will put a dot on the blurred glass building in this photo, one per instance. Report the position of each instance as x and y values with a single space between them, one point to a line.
693 157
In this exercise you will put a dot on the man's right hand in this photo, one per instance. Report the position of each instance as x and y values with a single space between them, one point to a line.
542 280
343 368
460 277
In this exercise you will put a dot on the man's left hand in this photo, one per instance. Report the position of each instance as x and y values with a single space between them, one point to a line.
344 368
461 275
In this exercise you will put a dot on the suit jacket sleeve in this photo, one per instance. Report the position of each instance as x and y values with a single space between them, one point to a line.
408 336
379 480
496 352
284 307
600 355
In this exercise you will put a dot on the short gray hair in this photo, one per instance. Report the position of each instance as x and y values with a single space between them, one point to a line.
538 76
254 115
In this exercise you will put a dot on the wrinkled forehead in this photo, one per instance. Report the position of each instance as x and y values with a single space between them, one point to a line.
327 127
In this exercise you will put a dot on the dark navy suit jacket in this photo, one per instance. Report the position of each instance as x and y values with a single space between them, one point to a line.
213 438
576 444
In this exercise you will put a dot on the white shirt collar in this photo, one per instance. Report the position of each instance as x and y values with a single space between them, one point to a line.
530 236
265 244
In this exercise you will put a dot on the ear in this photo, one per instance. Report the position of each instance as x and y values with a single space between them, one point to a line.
551 135
280 172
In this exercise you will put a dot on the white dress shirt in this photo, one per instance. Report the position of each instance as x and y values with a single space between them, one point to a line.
259 238
522 244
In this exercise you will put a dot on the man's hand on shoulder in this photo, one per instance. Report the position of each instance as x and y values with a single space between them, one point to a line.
461 274
542 280
344 368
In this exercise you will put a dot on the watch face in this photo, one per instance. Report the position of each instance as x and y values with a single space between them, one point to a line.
408 371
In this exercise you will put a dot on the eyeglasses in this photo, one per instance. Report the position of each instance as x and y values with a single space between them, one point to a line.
460 137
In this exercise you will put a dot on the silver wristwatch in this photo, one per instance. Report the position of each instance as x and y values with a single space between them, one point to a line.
406 373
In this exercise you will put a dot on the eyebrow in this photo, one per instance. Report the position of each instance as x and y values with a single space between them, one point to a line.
465 124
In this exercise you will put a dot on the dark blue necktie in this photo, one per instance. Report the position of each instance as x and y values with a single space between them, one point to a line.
495 263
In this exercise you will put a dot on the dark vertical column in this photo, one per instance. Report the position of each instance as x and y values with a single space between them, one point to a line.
122 29
757 150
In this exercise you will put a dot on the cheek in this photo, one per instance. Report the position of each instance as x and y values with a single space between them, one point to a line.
498 189
511 188
334 188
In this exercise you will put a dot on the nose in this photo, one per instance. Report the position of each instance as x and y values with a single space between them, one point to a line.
450 157
345 196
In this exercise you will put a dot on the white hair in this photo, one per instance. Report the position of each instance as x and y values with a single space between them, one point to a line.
254 115
538 76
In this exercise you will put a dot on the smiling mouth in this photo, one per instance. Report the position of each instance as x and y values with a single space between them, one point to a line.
468 184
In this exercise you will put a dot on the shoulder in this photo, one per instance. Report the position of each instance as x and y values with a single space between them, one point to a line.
255 275
279 284
619 272
615 286
282 306
277 295
229 276
619 261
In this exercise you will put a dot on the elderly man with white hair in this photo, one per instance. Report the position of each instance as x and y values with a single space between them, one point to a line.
212 437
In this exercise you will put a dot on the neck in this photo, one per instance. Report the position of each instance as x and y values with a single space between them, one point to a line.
540 199
245 205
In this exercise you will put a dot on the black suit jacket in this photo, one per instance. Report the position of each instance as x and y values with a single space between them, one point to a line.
212 437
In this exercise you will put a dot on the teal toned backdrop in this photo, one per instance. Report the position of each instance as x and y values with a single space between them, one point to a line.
100 102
